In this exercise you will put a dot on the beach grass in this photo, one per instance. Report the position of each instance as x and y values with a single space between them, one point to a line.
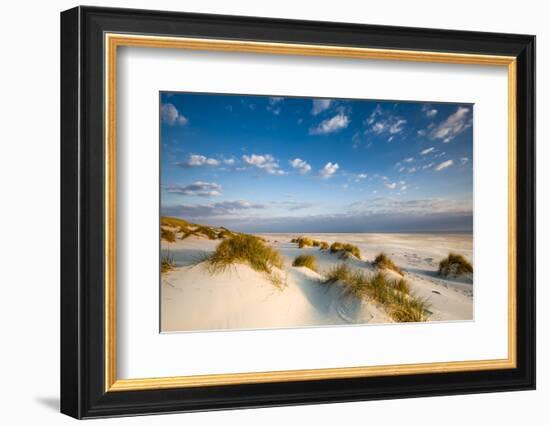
345 249
308 261
382 261
402 285
455 265
207 231
167 262
323 245
175 222
167 235
178 225
247 249
304 242
394 295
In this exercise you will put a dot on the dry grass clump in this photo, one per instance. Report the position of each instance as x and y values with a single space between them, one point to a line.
207 231
304 242
188 229
402 285
249 250
455 265
167 263
345 249
382 261
175 222
167 235
308 261
394 295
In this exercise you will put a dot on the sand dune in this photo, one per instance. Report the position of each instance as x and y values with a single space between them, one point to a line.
193 298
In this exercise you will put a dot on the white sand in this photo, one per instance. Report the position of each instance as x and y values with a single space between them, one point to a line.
192 298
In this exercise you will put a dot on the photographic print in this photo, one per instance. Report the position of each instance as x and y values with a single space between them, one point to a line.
281 212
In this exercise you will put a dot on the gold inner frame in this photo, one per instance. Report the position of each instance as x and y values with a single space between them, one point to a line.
113 41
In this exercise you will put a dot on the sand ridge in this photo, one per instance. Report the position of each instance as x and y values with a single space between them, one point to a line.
193 298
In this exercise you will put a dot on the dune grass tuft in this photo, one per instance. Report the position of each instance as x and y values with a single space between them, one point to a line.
189 229
336 246
250 250
175 222
207 231
382 261
455 265
167 235
340 272
402 285
308 261
394 295
345 249
304 242
323 245
167 262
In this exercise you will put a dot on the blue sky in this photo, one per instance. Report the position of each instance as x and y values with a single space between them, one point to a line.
287 164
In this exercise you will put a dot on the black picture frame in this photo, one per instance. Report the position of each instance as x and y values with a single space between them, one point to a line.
83 392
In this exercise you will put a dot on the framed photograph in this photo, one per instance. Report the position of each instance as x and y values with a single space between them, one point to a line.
261 212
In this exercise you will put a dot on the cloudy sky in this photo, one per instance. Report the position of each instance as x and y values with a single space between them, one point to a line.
285 164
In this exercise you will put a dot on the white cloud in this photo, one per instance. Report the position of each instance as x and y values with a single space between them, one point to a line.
391 185
299 164
356 140
198 161
429 111
274 105
360 177
453 125
292 205
412 207
444 165
374 114
328 170
421 133
384 122
427 151
397 126
320 105
266 163
411 159
229 161
211 210
331 125
464 160
198 188
170 115
379 127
